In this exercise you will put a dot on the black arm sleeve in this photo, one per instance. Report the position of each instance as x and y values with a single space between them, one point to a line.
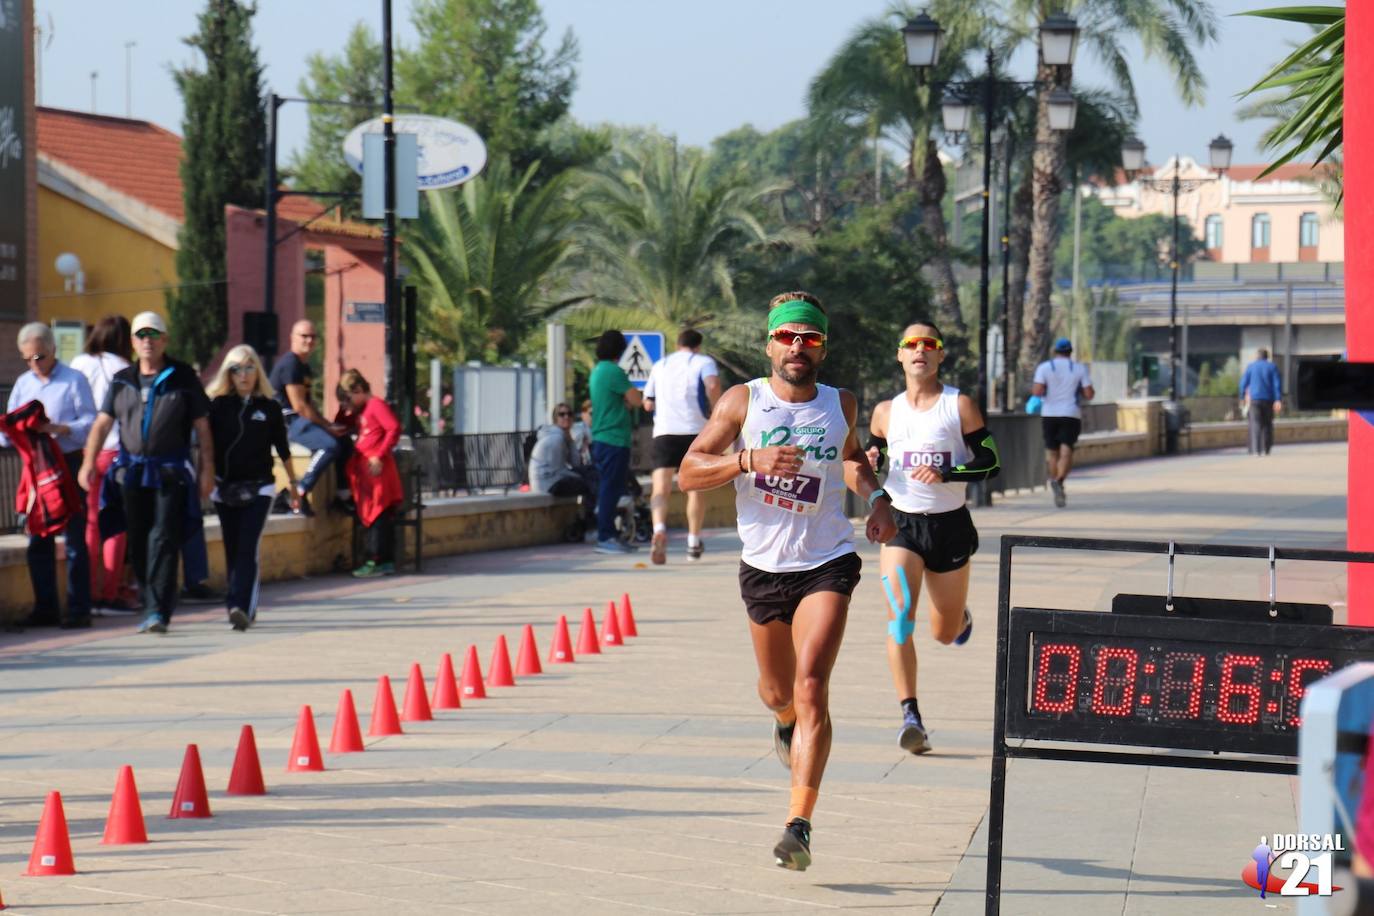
984 464
881 445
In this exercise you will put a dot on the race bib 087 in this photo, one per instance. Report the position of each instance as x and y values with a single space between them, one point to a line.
800 494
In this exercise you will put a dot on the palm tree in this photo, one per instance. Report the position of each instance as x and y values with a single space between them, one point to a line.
868 86
1169 29
484 258
657 239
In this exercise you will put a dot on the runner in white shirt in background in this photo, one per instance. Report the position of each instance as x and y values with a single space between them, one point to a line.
681 392
1061 382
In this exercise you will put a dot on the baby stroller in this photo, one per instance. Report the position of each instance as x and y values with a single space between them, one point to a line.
634 523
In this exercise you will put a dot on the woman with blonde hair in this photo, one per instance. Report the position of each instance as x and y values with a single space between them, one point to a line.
247 425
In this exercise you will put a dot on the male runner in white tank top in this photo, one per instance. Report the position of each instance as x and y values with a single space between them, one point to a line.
935 442
795 452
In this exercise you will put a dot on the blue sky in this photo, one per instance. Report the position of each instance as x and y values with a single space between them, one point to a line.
696 70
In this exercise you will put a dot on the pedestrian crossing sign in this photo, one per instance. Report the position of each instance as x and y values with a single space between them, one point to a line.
644 349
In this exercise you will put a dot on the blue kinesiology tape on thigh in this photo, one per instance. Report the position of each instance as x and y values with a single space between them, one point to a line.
901 626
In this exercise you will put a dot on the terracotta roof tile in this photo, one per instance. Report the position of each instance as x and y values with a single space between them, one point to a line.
136 158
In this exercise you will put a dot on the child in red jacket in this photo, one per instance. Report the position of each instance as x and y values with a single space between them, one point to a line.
372 473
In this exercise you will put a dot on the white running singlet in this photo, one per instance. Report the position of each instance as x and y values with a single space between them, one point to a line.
798 524
933 438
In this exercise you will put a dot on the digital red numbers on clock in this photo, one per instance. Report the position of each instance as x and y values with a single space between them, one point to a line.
1170 685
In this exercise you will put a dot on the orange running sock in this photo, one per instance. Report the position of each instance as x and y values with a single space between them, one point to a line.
803 802
785 716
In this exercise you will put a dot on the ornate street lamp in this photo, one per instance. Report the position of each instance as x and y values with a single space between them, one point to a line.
1058 40
924 38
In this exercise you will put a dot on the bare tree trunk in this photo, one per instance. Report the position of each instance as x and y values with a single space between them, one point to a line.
1047 164
1022 203
931 193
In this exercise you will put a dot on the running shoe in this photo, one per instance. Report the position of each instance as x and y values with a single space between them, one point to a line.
913 736
782 741
388 569
612 547
794 849
1060 499
153 623
694 551
658 553
238 619
967 631
369 570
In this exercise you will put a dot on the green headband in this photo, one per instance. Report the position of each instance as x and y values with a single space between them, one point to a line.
797 311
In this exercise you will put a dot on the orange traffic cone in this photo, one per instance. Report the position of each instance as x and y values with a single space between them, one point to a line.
498 673
610 629
347 738
190 798
527 663
384 718
52 847
246 776
472 677
305 747
125 823
445 687
562 643
416 707
627 617
587 643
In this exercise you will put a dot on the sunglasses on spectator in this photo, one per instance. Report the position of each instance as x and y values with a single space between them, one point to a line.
36 357
810 340
563 413
921 342
245 369
148 334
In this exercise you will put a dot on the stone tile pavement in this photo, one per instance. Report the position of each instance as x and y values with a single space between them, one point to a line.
643 779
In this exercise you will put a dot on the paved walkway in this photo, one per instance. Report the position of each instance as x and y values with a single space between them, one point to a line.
643 779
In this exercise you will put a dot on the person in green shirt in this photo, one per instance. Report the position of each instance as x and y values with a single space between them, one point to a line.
612 398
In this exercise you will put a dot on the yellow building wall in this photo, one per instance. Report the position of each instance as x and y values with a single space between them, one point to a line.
126 270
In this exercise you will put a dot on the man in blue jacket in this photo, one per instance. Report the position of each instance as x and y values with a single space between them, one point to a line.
1261 390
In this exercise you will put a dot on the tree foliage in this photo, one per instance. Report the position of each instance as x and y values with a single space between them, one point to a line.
223 144
354 76
485 257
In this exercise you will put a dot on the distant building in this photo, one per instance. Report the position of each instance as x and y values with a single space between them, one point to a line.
1241 218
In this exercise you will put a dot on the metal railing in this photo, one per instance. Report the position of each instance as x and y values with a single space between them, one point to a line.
470 463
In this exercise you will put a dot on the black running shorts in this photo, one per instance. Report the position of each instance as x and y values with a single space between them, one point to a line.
944 540
670 450
775 596
1060 431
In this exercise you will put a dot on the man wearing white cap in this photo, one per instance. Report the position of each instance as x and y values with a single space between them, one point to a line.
157 401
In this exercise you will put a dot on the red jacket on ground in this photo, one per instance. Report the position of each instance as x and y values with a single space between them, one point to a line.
47 494
378 433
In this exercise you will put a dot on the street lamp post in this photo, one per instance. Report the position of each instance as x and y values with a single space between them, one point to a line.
1132 161
924 39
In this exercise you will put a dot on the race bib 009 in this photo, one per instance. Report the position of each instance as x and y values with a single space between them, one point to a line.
800 494
926 459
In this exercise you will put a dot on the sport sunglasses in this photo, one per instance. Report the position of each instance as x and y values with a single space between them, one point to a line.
921 342
810 340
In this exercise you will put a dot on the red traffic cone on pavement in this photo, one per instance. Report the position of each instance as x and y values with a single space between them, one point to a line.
125 823
190 798
445 687
52 847
562 643
416 706
610 629
384 718
498 673
347 737
587 643
627 617
527 663
246 776
472 677
305 747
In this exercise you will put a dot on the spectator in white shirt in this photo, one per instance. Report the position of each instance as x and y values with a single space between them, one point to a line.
681 392
1061 382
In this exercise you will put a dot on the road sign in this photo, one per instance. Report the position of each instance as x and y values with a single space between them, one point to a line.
645 348
450 153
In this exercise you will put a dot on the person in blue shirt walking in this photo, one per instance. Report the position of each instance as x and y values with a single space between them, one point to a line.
1261 390
70 409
